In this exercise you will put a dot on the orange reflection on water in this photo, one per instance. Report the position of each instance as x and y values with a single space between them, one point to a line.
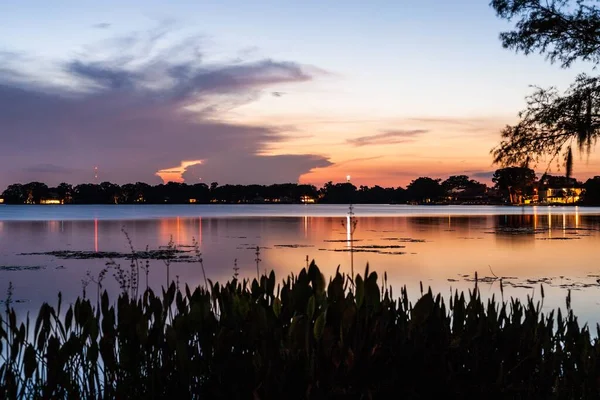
53 226
436 247
437 250
305 226
181 230
168 230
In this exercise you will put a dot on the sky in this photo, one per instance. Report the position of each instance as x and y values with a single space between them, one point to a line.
259 92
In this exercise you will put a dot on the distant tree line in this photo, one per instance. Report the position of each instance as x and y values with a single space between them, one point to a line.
511 185
421 190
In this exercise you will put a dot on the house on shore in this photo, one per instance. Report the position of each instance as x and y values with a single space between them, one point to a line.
52 199
305 199
559 190
561 195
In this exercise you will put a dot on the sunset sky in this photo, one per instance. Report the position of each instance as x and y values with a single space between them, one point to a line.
259 91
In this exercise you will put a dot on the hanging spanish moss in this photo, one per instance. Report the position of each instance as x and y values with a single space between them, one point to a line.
569 162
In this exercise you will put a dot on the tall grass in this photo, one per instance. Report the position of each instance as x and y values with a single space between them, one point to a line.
301 338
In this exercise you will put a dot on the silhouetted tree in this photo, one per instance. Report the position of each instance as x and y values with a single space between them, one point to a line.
592 191
110 192
514 182
557 181
88 193
399 196
35 191
181 193
176 192
14 194
64 192
461 188
375 195
456 182
297 191
128 194
564 31
339 193
425 190
552 123
144 192
200 192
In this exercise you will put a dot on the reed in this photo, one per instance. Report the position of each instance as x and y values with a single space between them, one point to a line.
301 338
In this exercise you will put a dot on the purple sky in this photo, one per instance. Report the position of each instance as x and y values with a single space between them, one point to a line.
259 92
132 115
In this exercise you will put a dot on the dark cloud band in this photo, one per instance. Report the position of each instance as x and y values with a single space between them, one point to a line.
143 108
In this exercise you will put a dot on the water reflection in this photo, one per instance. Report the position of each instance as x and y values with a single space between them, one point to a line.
435 249
96 235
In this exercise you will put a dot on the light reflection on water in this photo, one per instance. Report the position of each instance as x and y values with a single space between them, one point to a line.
439 250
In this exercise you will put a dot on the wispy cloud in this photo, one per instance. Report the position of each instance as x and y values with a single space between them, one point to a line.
102 25
450 120
359 159
464 125
480 174
387 137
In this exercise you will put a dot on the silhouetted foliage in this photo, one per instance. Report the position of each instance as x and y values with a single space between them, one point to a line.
65 191
514 182
299 338
14 194
552 123
461 188
456 182
424 190
89 193
456 189
375 195
592 191
339 192
557 181
170 193
35 191
563 30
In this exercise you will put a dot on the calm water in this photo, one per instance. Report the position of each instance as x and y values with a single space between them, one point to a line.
440 246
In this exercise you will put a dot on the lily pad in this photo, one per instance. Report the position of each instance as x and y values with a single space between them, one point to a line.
13 268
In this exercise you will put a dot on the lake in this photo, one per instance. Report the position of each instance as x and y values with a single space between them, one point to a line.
440 246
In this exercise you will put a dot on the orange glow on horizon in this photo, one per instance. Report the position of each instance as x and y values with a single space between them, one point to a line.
175 174
445 146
